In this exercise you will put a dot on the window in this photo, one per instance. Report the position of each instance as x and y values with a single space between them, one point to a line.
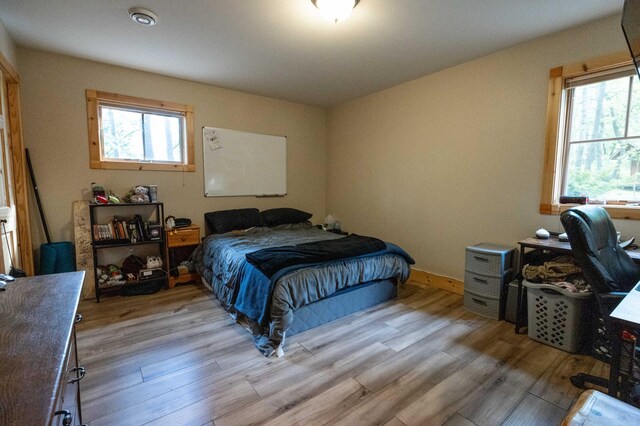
140 134
593 136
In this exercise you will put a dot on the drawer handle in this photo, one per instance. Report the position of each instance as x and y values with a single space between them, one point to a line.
78 317
479 302
481 259
67 419
81 372
480 280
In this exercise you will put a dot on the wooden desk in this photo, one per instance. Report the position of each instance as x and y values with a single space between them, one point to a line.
625 316
38 368
552 244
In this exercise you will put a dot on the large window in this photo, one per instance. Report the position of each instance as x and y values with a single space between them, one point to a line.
593 136
142 134
603 137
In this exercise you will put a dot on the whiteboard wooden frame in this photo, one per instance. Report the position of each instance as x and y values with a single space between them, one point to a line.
238 163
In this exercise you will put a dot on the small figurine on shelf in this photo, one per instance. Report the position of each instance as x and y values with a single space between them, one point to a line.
99 194
131 267
113 199
109 275
101 272
138 194
114 272
154 262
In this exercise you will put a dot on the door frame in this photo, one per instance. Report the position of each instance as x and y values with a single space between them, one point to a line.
24 260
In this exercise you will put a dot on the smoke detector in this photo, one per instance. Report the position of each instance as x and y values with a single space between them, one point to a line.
143 16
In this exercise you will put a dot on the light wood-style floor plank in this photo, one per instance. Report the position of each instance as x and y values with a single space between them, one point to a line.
177 358
533 411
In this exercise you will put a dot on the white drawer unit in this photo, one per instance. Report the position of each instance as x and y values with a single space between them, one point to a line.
488 270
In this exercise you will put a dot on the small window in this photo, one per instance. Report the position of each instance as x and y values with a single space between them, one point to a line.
593 136
141 134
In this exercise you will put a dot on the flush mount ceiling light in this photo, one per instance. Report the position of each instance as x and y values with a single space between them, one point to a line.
335 10
143 16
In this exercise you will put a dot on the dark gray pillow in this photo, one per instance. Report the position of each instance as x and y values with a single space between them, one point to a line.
230 220
282 216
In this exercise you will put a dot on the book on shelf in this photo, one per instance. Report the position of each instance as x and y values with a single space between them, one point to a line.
120 229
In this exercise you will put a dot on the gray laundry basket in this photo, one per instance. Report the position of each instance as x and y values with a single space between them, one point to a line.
558 317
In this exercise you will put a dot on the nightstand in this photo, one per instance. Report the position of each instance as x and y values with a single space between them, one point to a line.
181 242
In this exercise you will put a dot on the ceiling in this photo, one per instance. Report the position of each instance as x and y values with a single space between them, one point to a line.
283 48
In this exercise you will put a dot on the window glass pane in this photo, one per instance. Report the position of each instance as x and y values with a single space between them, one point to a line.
634 111
604 170
162 138
599 110
121 134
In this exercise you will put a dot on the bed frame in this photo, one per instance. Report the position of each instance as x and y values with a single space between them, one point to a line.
342 303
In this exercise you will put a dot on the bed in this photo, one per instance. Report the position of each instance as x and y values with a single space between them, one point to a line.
278 275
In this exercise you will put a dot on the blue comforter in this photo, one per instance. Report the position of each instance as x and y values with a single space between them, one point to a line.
267 304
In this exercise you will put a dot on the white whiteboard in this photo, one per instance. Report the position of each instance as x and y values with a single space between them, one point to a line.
240 163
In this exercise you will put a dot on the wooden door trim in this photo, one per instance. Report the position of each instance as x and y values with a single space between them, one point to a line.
18 164
10 73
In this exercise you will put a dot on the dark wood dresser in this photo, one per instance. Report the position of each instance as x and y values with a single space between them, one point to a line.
39 372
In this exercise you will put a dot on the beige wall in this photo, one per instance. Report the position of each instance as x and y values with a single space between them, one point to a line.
7 47
55 132
455 158
436 164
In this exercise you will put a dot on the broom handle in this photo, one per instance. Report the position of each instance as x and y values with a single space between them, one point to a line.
35 188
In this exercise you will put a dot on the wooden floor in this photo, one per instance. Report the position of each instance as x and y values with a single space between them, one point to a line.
177 358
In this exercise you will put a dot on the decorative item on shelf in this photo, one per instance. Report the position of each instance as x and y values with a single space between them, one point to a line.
154 230
109 275
154 262
141 195
99 194
153 193
140 227
150 274
137 194
170 222
131 267
112 198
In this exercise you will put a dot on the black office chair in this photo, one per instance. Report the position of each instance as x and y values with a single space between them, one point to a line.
606 267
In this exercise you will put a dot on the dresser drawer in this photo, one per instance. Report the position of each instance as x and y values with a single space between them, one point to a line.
68 405
482 305
483 285
483 263
183 237
486 261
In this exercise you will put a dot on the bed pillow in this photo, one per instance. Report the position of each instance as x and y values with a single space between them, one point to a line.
230 220
283 216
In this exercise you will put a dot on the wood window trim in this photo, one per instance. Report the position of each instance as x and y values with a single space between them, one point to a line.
96 162
553 151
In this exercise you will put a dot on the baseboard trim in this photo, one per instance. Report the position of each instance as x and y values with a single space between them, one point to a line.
438 281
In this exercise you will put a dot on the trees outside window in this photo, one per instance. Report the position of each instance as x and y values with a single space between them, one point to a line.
142 134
